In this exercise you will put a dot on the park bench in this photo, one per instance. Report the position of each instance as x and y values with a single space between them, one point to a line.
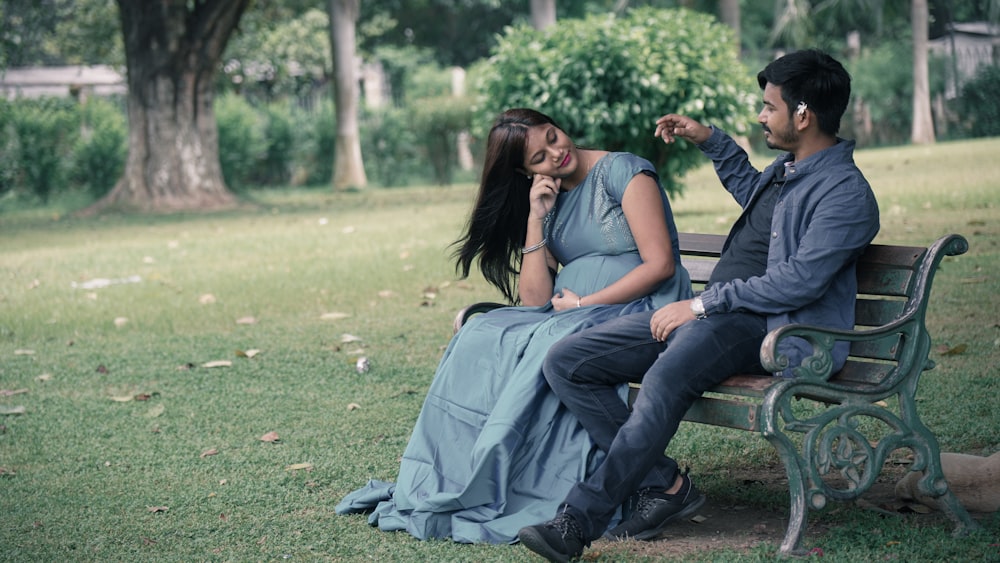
834 431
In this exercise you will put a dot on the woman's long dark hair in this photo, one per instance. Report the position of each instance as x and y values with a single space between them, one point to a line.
495 230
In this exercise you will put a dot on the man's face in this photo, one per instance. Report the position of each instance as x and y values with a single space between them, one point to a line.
779 128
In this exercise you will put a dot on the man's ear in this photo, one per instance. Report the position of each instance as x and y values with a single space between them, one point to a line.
803 117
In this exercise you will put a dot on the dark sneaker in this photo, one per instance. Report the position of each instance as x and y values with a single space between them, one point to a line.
655 509
559 539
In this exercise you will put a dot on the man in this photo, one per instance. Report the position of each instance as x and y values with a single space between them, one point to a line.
789 258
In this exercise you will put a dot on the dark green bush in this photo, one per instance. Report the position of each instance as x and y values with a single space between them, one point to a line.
437 122
100 151
316 135
979 105
279 136
390 147
606 80
241 140
10 149
45 129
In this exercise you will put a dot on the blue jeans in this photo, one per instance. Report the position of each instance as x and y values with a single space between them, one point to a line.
586 369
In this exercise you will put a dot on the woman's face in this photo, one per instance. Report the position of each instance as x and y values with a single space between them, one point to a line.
550 152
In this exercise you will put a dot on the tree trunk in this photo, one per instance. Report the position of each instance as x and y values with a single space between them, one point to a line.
348 167
923 122
172 51
543 13
729 14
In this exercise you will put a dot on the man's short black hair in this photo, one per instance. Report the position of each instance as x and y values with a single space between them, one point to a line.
814 78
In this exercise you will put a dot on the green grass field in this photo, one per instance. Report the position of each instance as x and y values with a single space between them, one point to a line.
120 442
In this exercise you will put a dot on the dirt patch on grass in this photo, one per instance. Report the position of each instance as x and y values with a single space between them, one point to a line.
721 523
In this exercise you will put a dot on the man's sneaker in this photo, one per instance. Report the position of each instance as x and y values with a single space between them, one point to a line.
559 539
655 509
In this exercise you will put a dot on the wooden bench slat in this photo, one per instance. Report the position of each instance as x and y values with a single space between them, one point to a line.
895 256
699 270
886 348
871 312
863 372
881 280
700 244
725 412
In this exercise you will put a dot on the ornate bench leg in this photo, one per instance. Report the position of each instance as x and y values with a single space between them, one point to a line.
933 483
798 509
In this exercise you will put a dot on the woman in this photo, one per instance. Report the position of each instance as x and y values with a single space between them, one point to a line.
583 237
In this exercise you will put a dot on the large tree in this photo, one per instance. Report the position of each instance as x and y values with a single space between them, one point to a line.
172 52
348 167
543 13
922 131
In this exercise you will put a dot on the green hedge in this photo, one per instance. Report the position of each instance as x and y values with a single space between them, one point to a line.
605 80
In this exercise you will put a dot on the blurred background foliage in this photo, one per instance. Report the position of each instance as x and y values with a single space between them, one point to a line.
435 72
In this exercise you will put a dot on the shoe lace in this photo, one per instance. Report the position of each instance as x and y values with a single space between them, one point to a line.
645 501
566 525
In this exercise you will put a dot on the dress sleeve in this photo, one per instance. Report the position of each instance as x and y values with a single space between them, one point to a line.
622 167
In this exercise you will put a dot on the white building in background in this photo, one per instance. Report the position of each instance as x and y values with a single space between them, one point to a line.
60 81
965 48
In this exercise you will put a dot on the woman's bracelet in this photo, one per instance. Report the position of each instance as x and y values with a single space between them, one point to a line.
534 247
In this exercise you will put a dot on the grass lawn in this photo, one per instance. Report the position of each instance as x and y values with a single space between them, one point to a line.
184 388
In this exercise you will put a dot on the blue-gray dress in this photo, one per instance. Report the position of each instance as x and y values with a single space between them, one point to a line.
493 449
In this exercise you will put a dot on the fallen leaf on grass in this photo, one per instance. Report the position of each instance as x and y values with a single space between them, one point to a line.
137 397
297 466
206 299
147 541
19 409
353 407
945 350
345 338
44 377
208 452
120 321
24 352
247 353
333 316
217 364
9 392
157 508
246 321
270 437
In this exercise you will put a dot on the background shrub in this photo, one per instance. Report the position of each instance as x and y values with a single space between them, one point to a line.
605 80
102 147
390 147
979 105
437 122
241 140
275 169
46 130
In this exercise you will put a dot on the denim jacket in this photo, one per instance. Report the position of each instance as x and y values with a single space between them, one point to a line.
824 218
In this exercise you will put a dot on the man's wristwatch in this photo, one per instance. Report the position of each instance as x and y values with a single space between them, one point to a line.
698 308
